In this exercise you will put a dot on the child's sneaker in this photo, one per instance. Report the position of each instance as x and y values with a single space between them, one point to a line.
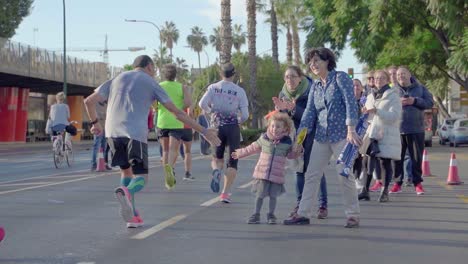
135 222
271 219
125 200
215 180
352 222
322 213
169 177
225 198
254 219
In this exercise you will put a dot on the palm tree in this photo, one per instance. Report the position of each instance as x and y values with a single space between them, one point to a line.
182 70
226 31
291 13
238 37
169 35
160 58
215 40
263 7
197 41
251 35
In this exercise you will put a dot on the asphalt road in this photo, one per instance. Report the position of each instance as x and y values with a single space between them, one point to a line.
69 215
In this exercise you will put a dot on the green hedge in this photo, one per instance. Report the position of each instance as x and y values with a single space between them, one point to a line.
250 135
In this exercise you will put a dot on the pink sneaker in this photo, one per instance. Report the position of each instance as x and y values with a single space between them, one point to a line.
376 187
135 222
225 198
419 189
2 234
125 200
395 188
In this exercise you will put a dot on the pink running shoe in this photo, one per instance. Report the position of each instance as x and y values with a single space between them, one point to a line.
225 198
2 234
135 222
395 188
125 200
376 187
419 189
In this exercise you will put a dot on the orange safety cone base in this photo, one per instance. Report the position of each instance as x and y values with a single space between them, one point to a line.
426 169
101 165
453 178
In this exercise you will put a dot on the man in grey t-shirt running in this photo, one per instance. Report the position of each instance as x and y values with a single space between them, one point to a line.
224 100
129 97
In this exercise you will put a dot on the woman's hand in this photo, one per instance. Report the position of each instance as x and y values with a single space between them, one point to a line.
353 138
96 129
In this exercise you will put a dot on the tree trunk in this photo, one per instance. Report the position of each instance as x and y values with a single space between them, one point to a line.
274 35
296 44
289 52
251 35
226 31
441 106
199 63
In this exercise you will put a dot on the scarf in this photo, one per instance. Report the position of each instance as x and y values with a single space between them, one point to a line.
300 89
275 139
379 93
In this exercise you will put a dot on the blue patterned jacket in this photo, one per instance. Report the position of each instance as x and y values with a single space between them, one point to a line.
331 108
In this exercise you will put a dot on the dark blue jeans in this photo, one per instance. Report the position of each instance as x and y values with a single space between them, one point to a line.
323 195
99 142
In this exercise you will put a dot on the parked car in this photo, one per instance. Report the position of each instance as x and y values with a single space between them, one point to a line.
459 134
445 129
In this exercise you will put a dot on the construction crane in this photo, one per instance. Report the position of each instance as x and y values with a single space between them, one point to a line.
104 52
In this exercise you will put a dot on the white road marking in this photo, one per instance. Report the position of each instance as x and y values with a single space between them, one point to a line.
159 227
246 185
22 184
210 202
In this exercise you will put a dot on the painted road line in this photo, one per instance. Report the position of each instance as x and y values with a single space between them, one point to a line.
463 198
246 185
444 185
210 202
22 184
51 184
159 227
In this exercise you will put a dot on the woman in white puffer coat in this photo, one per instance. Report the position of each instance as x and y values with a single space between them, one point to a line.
385 127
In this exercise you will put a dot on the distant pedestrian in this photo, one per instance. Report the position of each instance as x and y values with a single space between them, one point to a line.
228 105
274 147
129 96
100 140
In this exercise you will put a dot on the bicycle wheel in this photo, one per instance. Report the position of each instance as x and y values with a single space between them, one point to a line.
57 154
69 155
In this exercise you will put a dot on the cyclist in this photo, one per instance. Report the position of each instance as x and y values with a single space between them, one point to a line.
224 100
59 115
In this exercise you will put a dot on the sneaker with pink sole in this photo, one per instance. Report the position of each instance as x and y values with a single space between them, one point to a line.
2 234
125 200
135 222
225 198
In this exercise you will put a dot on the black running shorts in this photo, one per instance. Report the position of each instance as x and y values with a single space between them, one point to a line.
128 153
229 136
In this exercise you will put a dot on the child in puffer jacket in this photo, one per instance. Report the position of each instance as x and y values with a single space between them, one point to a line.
275 147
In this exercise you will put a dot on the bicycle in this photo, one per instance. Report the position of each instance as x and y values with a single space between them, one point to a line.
62 148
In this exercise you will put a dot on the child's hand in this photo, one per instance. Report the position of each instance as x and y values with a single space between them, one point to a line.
298 149
235 155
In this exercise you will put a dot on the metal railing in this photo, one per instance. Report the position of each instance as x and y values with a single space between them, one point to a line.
24 60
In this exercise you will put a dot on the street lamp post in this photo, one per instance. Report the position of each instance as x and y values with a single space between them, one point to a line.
64 53
159 30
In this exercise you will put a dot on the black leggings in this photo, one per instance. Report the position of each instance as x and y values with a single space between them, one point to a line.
384 165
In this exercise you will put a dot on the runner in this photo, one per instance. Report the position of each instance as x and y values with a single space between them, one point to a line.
171 129
224 100
129 96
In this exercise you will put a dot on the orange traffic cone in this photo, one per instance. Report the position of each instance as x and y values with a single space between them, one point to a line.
452 178
426 170
101 165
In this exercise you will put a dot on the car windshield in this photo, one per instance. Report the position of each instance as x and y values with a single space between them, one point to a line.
450 122
464 123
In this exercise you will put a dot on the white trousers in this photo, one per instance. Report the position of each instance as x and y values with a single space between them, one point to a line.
319 159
